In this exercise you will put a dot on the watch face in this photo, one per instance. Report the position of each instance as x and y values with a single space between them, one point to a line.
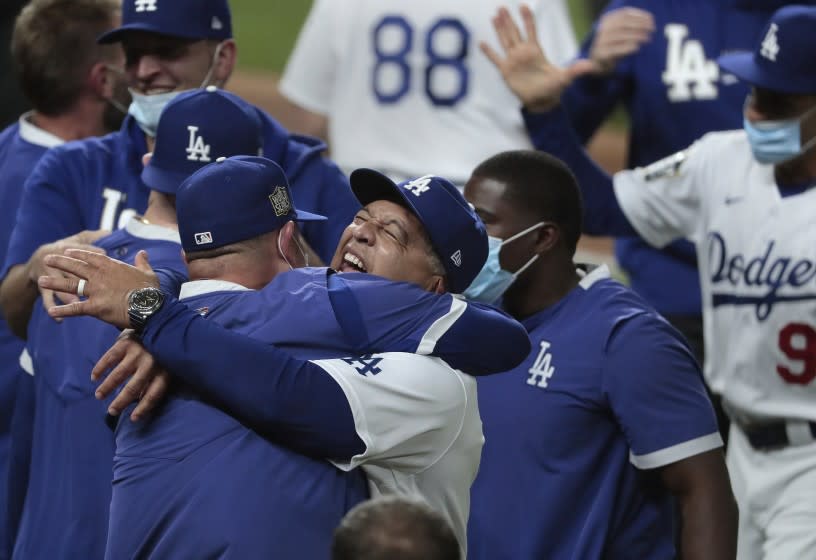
146 299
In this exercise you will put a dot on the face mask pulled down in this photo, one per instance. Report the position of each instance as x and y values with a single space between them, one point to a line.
493 281
147 109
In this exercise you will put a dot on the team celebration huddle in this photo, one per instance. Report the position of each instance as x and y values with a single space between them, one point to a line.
371 334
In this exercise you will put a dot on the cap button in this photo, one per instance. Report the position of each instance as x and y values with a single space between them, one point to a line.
211 88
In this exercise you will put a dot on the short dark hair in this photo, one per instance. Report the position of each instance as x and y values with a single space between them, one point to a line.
394 528
540 184
54 46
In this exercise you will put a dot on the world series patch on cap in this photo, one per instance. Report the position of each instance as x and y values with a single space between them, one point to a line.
232 200
197 128
783 58
189 19
457 234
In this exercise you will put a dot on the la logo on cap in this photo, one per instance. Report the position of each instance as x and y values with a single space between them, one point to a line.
197 150
770 46
145 5
419 185
280 201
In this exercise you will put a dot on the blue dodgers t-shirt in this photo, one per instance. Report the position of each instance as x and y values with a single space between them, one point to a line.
66 506
674 93
607 393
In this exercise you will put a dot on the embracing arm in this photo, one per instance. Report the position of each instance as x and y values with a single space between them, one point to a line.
708 512
19 291
379 315
17 296
292 401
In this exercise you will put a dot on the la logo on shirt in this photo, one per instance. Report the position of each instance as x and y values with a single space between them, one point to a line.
542 369
689 74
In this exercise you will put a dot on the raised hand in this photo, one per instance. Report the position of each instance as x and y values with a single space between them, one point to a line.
533 79
620 33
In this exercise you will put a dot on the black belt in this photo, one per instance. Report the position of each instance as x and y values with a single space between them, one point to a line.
773 435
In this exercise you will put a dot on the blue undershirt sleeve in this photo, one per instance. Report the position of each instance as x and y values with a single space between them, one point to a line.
291 401
170 280
591 99
551 132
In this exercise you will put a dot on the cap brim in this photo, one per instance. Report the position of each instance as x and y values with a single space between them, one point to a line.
301 216
157 179
369 185
742 65
116 35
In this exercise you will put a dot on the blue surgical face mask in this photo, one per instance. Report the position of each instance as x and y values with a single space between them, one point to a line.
147 109
777 141
493 281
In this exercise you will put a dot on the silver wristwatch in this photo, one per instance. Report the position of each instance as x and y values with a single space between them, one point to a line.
142 304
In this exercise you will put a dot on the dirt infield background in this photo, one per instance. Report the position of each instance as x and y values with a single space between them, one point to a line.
608 147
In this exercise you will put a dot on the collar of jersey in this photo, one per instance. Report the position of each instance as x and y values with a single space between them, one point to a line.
144 230
33 134
200 287
594 275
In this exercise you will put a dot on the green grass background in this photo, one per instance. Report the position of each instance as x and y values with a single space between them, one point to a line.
266 29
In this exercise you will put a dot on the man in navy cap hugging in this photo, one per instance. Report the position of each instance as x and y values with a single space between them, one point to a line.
170 46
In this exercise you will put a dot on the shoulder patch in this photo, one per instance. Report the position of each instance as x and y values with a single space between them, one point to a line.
670 166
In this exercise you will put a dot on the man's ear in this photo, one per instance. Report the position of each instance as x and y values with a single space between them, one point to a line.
184 257
548 237
438 285
100 81
287 241
225 63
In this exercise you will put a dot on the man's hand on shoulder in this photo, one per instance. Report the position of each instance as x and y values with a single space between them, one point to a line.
131 366
106 284
36 266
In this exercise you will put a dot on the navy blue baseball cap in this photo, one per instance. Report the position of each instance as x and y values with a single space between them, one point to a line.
457 234
783 58
188 19
196 128
232 200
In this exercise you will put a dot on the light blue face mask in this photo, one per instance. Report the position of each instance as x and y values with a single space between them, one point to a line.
493 281
777 141
147 109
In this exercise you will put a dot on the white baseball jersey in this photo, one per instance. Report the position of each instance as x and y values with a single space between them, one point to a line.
419 419
757 260
405 86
